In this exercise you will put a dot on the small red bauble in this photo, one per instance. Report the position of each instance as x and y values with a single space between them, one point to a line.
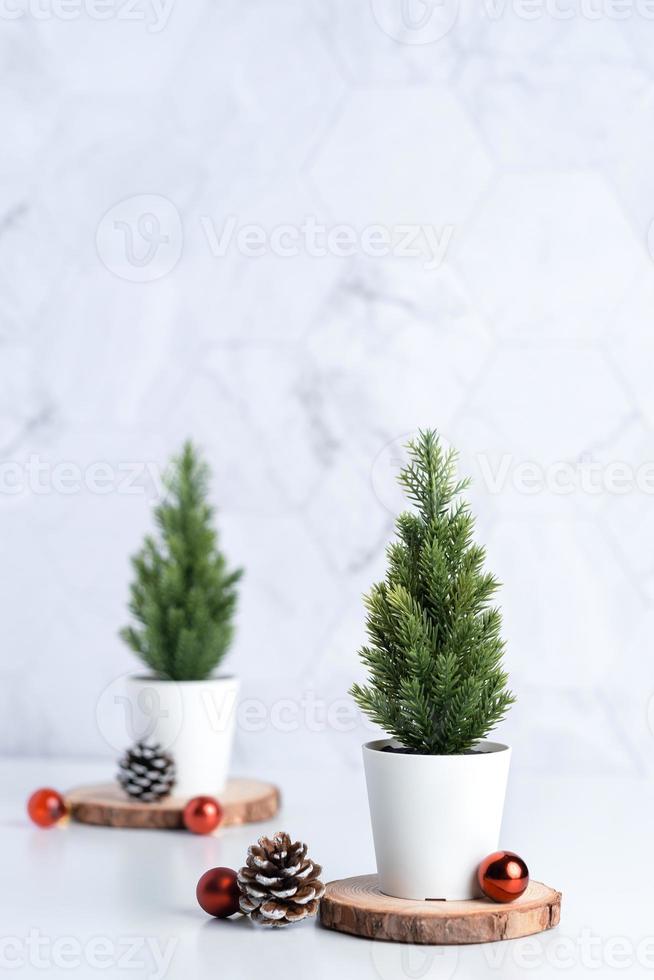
202 814
218 892
503 876
46 807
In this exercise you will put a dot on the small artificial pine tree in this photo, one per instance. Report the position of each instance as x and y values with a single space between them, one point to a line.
436 682
183 598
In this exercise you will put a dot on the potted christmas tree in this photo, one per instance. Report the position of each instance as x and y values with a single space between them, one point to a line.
436 685
183 601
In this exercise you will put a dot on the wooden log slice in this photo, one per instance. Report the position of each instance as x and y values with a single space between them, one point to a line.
356 906
243 800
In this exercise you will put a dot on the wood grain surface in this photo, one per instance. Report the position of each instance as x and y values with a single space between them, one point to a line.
244 801
356 906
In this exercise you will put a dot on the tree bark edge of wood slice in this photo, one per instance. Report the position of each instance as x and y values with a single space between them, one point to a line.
105 805
356 906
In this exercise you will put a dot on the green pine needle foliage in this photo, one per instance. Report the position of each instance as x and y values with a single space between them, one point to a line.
183 597
434 656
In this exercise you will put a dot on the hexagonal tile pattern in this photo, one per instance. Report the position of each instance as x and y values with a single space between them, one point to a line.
271 291
548 403
560 624
280 101
518 146
24 403
259 402
537 126
367 54
402 156
624 508
82 49
275 629
534 430
385 331
550 256
631 343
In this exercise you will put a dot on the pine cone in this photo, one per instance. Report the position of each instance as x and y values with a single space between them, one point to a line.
279 884
146 773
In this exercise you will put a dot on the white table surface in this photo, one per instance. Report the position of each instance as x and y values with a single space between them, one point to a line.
81 901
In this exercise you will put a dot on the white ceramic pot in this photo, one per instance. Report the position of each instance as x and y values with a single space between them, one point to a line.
434 817
194 720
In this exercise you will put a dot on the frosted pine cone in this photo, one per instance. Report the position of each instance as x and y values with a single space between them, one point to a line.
279 883
146 773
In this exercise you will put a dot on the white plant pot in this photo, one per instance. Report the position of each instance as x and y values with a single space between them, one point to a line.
194 720
434 817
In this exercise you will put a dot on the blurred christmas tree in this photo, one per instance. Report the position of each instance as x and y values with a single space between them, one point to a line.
183 597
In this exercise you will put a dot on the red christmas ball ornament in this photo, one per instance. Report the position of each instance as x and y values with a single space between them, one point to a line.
503 876
46 807
202 814
218 892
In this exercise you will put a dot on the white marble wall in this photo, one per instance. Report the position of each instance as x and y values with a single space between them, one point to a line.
515 142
